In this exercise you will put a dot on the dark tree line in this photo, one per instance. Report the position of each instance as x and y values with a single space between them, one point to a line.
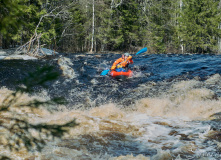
164 26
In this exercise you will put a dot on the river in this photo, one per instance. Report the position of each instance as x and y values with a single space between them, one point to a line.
168 109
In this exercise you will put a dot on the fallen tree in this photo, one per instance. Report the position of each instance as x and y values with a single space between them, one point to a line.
34 46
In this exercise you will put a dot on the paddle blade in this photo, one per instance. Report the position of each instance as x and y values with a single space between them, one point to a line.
142 51
103 73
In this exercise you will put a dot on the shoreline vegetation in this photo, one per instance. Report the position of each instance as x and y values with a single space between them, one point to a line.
12 54
172 26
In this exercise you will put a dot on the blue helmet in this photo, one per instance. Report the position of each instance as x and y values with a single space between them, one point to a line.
126 54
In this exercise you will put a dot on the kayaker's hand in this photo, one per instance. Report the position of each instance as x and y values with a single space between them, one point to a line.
113 67
119 66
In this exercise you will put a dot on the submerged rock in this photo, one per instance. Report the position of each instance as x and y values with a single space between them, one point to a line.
65 65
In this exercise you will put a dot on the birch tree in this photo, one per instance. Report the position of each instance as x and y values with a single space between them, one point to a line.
93 27
219 38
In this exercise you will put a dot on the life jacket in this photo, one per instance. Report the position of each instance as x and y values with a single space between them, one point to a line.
122 63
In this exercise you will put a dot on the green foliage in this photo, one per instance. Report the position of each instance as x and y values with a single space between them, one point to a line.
31 17
125 25
74 27
161 29
198 25
10 10
18 129
162 25
103 25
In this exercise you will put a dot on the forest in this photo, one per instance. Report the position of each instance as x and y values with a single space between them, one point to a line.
101 26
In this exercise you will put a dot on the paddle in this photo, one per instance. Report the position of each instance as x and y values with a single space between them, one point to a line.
104 72
142 51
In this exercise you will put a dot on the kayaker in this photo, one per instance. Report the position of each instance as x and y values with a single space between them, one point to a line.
122 62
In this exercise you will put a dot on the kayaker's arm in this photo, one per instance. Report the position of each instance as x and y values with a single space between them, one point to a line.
114 66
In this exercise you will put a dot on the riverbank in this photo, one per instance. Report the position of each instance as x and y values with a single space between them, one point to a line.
8 54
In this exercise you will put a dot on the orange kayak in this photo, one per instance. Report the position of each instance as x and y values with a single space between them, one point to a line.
121 73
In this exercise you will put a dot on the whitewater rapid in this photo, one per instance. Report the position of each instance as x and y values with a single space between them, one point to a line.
169 109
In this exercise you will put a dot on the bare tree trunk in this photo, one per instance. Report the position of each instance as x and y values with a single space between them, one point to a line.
219 38
33 46
182 46
92 38
219 42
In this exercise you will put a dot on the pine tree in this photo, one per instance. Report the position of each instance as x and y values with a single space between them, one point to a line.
71 31
161 29
198 25
124 25
10 10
